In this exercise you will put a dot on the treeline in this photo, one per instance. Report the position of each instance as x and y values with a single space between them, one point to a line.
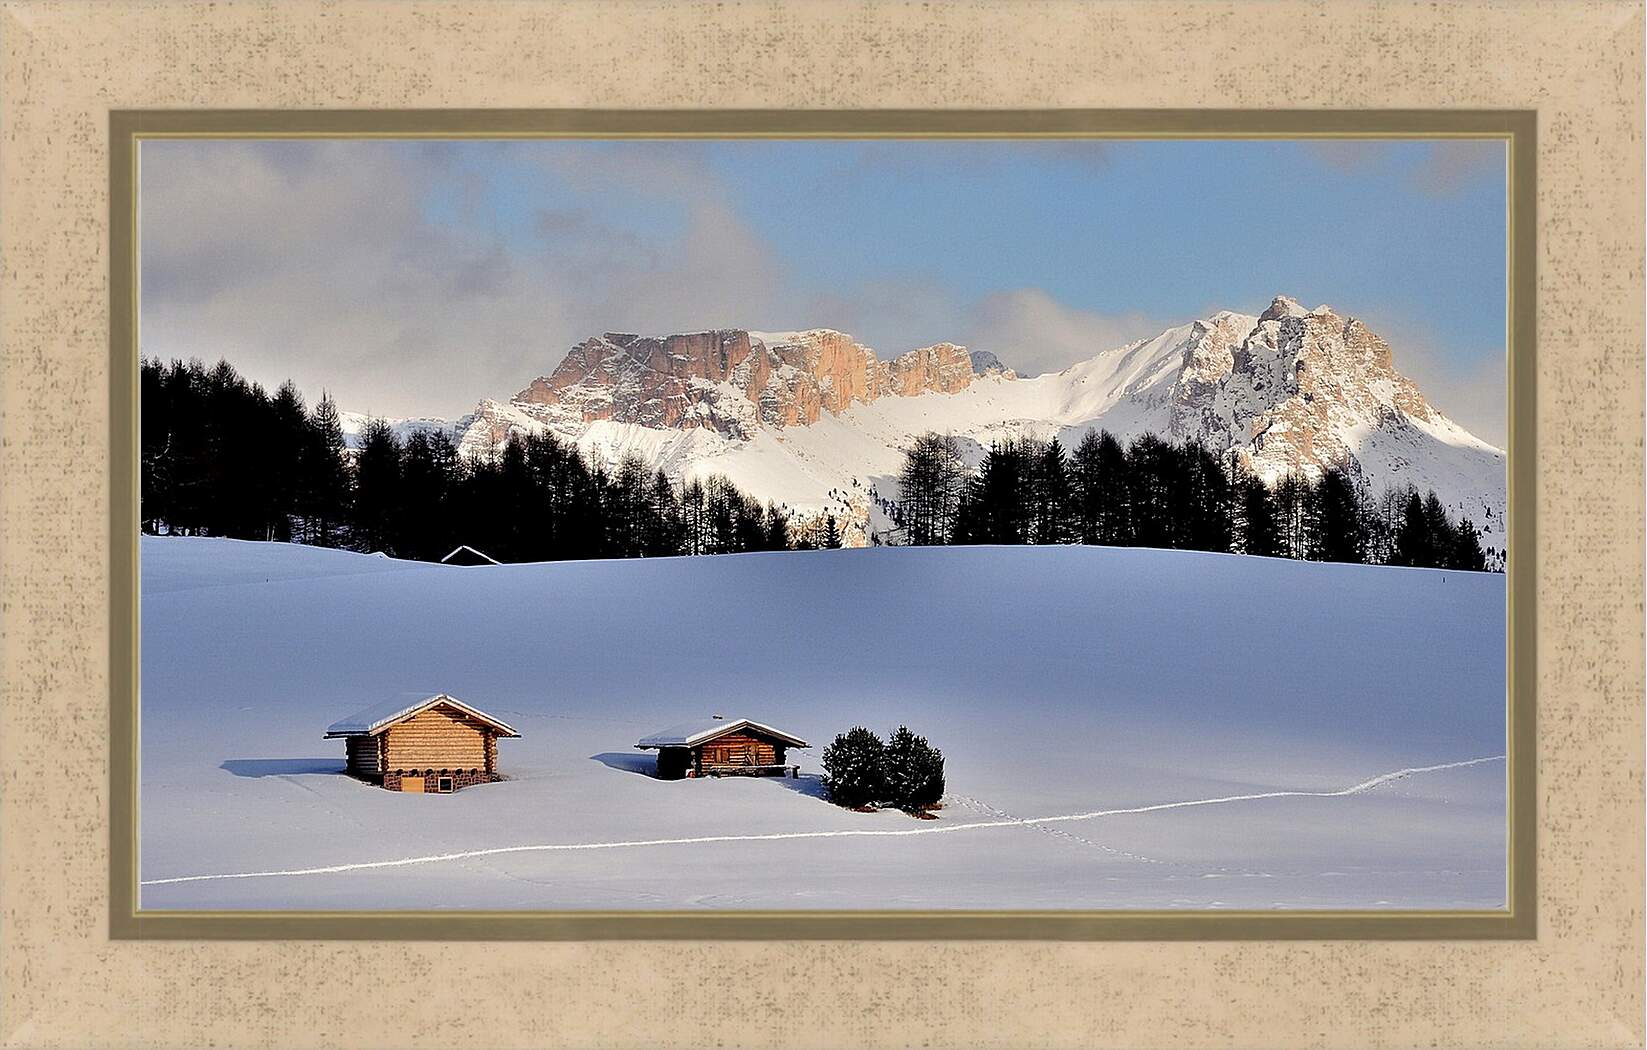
1154 493
223 457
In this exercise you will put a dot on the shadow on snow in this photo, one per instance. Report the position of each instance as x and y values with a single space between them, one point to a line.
808 784
645 765
281 767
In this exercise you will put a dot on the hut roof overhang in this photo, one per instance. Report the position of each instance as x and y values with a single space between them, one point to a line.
398 708
703 730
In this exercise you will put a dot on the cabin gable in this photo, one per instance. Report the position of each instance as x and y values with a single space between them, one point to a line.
439 737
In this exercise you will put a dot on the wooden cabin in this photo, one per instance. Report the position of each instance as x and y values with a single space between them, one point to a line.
463 554
722 747
422 743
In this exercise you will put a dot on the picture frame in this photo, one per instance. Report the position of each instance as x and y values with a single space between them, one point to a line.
1518 131
72 973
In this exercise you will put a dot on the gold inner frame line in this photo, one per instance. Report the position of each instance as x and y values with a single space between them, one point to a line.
1517 128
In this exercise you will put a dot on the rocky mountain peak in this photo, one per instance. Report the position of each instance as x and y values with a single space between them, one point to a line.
1283 306
985 363
1294 390
733 380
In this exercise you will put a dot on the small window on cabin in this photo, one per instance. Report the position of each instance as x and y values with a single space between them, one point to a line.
443 783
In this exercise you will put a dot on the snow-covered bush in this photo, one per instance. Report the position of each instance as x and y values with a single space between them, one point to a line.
914 772
855 769
906 772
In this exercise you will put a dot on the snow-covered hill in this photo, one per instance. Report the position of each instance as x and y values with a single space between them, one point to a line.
803 417
1117 725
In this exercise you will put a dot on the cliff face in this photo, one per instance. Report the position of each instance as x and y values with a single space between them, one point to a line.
942 367
1297 388
733 381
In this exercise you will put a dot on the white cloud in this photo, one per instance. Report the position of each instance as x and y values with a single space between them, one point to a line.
320 262
322 265
1033 333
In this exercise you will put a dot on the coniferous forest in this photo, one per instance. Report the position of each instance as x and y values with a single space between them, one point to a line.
222 456
1154 493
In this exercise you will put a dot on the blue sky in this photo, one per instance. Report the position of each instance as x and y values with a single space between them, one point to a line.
417 277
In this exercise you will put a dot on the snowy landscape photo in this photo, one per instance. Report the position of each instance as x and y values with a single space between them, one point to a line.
822 525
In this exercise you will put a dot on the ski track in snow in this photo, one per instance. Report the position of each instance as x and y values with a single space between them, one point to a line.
1014 822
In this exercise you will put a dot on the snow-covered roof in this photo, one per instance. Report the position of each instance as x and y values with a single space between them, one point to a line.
701 730
465 547
401 706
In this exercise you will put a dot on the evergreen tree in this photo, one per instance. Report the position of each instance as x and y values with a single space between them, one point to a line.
1260 527
1335 518
1155 491
1414 545
285 480
831 534
325 476
1098 490
930 487
664 534
428 464
1383 519
855 769
695 518
999 506
1466 552
1443 537
776 529
518 501
377 505
155 455
914 772
1052 493
1207 522
1291 495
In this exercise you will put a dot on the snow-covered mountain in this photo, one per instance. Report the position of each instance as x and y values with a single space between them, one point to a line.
815 419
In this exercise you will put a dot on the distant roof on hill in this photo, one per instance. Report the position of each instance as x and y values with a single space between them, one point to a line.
698 731
467 555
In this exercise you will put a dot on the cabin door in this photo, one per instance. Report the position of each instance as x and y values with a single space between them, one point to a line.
412 784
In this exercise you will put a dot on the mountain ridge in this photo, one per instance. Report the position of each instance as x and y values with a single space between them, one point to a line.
817 420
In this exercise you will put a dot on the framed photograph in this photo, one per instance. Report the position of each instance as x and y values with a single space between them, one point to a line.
821 525
1004 597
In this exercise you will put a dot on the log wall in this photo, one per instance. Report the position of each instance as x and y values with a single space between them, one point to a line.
365 755
439 738
740 749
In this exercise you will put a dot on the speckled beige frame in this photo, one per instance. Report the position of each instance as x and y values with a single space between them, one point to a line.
66 983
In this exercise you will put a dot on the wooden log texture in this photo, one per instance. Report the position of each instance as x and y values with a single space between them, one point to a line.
739 749
438 738
365 755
